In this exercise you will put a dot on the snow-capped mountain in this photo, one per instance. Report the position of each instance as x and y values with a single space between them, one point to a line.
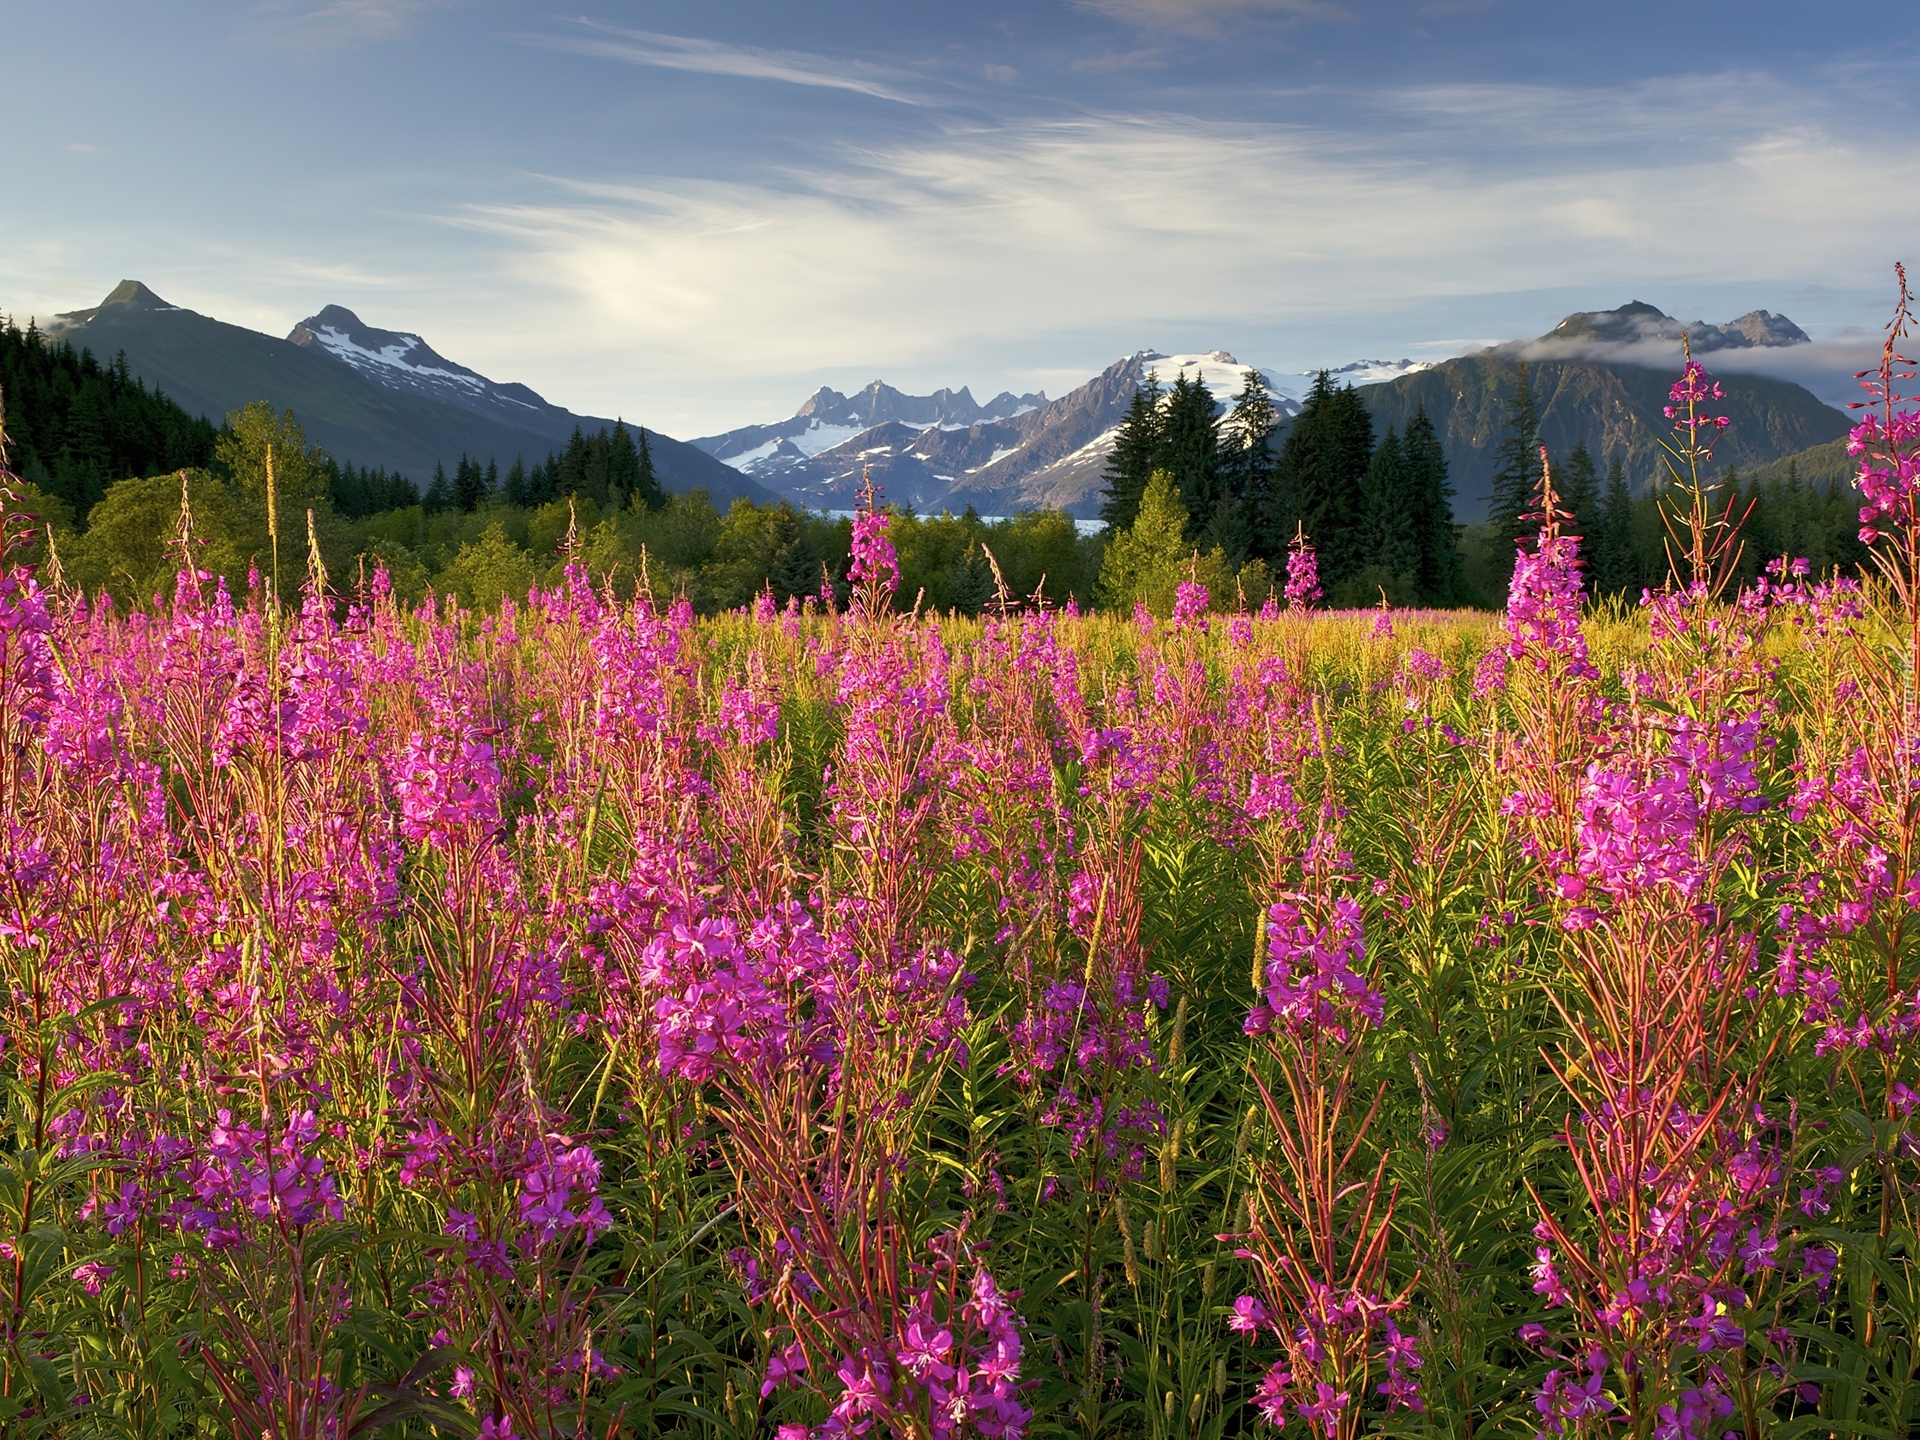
397 360
370 396
1361 373
943 451
829 419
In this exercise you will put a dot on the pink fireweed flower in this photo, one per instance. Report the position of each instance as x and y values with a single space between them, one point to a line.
1311 980
1248 1316
449 790
874 560
559 1193
1889 470
92 1275
1190 606
1693 389
1543 607
1303 576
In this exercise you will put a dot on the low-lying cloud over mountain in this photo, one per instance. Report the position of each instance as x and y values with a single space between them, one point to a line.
1757 343
1600 378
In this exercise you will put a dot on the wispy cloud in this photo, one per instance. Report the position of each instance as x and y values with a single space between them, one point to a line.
338 22
1112 62
1206 16
1142 229
714 57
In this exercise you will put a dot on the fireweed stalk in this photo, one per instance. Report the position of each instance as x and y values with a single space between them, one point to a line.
1320 1219
816 1029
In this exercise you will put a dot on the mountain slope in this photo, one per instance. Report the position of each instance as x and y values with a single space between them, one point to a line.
355 408
1585 393
1020 453
1823 465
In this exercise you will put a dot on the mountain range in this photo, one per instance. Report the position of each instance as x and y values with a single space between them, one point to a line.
387 398
930 453
365 395
944 451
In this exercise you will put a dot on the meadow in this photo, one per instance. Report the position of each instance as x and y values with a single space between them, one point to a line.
582 1019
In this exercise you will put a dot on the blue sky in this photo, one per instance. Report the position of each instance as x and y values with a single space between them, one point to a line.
695 214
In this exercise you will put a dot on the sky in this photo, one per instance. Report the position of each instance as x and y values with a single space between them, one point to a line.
693 215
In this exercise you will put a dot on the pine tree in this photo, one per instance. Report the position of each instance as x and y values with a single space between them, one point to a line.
493 477
646 488
469 484
1130 465
1611 571
1319 479
1390 543
1189 450
1144 561
570 467
597 480
1578 482
516 491
1246 465
439 494
970 581
1439 577
1515 478
623 465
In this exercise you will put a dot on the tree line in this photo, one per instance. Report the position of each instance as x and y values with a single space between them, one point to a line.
1234 490
1622 532
1379 512
75 426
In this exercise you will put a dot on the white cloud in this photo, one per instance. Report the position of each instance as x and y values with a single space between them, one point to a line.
1128 227
714 57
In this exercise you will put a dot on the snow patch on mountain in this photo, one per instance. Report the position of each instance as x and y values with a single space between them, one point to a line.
1359 373
393 356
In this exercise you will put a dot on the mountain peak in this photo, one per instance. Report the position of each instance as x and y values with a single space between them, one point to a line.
132 292
128 294
1637 321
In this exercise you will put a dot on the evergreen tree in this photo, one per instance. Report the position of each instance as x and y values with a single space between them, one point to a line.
570 467
439 494
123 428
597 485
1578 482
1189 453
1390 542
493 477
1131 464
1438 574
970 581
1246 460
1319 481
647 486
516 490
1145 561
469 484
1515 478
623 466
1611 567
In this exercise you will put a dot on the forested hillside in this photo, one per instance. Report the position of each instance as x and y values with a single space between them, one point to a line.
76 425
1611 409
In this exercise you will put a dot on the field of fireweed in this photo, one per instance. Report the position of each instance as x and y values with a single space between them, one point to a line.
583 1020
